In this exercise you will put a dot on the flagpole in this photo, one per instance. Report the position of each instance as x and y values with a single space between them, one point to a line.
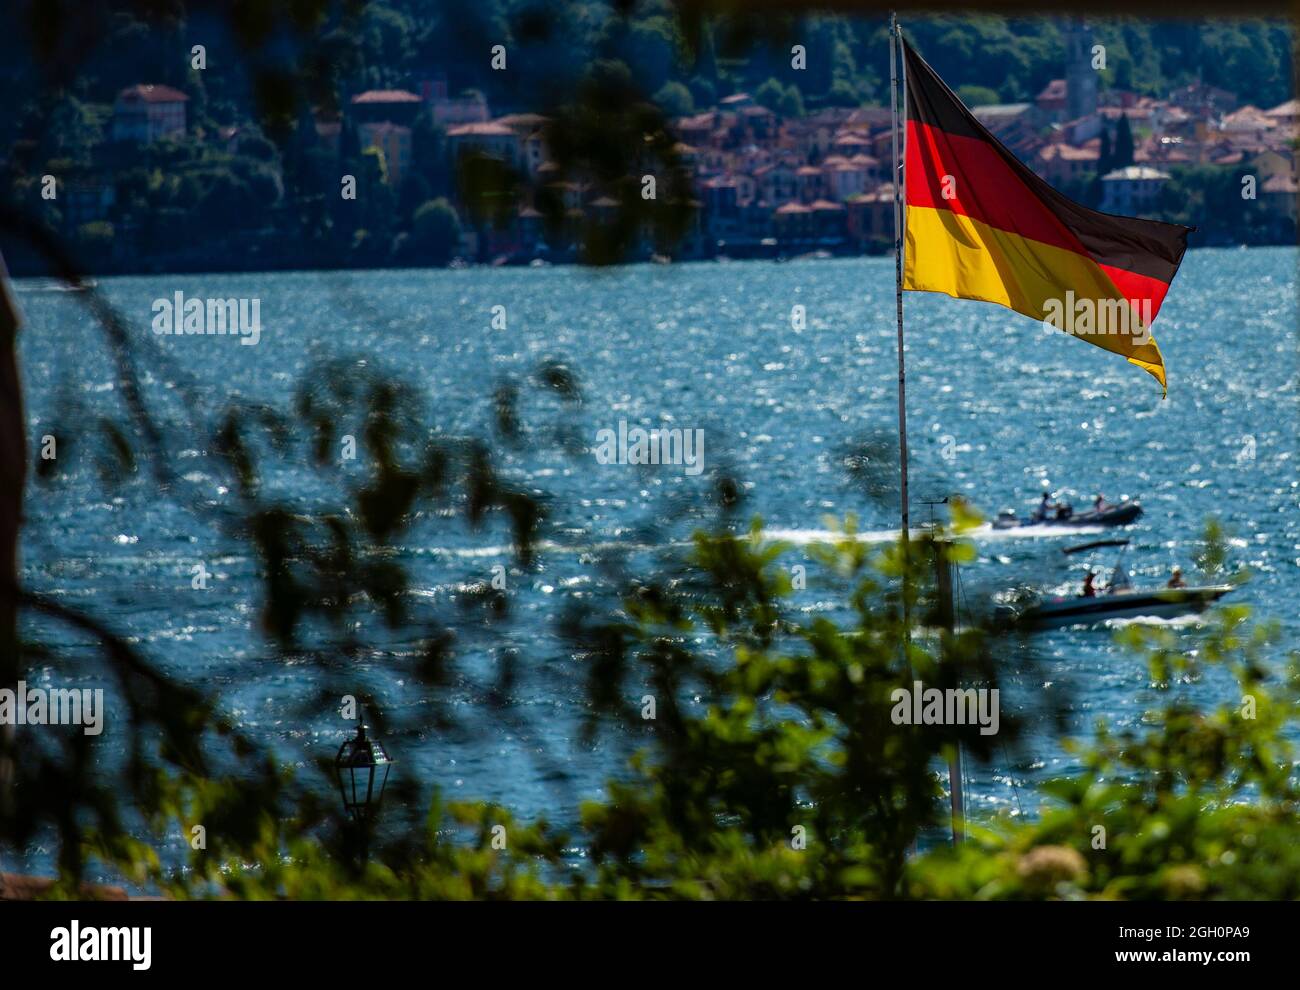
899 178
900 198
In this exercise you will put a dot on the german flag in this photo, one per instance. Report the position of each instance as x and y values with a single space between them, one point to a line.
981 225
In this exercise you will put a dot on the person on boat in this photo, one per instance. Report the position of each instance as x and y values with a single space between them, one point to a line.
1044 507
1064 510
1088 590
1176 579
1100 504
1119 581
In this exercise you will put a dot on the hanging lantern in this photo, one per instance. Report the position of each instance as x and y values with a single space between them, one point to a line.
362 768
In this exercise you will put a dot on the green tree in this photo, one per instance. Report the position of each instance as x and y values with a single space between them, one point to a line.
436 230
675 99
974 96
1123 154
791 102
770 94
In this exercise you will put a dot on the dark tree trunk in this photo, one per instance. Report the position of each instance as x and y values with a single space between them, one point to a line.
13 472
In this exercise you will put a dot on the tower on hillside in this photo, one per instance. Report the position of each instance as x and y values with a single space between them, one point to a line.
1080 76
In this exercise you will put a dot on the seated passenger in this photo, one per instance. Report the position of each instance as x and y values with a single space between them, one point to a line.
1118 581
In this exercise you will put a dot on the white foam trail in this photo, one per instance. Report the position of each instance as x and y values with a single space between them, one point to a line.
987 532
805 536
798 536
1177 622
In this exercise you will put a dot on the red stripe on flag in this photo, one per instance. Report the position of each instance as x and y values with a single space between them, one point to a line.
984 187
1135 288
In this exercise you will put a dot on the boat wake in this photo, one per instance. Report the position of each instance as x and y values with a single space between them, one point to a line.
1177 622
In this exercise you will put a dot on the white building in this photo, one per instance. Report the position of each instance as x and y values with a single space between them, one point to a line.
1131 190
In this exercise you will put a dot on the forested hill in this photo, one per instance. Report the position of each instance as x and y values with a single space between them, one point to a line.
356 47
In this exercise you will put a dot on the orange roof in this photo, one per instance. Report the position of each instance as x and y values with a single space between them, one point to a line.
1069 153
386 96
1281 184
522 120
486 129
150 93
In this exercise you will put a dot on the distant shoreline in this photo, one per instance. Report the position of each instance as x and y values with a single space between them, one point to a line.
20 272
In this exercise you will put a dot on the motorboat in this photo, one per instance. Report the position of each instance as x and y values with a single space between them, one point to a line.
1124 603
1118 600
1110 515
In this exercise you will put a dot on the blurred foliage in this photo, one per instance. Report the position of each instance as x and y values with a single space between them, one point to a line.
768 719
790 780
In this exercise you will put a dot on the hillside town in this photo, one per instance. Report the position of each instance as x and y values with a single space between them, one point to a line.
771 185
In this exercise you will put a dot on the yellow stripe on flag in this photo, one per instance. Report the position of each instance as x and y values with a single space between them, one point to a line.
959 256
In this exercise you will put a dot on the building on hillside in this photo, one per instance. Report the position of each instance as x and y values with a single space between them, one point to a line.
1248 123
1051 101
758 124
1165 150
530 128
792 224
1078 132
809 183
146 112
431 86
721 206
830 223
494 140
870 219
696 130
1273 162
1285 114
849 143
456 111
1278 194
1014 124
394 140
394 106
844 177
777 182
1061 164
1203 101
1131 190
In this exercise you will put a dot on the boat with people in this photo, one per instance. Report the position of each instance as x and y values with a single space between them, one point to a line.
1049 513
1117 600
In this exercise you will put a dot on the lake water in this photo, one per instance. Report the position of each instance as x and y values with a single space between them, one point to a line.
998 410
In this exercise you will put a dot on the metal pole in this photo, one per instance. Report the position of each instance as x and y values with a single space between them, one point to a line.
899 178
958 804
900 198
948 620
